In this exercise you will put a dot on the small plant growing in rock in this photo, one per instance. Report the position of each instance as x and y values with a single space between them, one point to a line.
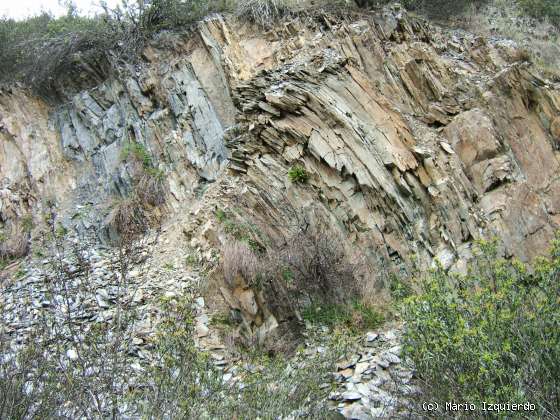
150 185
298 174
139 152
221 216
190 260
240 231
27 223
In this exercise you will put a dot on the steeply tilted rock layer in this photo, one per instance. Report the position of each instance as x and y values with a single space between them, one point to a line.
416 140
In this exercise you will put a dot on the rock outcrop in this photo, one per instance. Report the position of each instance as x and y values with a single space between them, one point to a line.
416 140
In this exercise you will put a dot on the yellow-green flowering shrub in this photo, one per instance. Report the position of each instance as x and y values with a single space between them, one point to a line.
491 335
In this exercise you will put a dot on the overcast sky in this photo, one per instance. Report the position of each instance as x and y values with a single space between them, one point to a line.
19 9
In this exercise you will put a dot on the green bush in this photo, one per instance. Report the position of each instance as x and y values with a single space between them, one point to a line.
400 288
491 335
442 8
542 9
51 54
43 51
298 174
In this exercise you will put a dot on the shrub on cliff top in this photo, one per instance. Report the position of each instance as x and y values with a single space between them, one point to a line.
492 335
542 9
42 51
442 8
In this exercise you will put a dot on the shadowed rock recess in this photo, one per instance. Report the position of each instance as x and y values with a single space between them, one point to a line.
416 140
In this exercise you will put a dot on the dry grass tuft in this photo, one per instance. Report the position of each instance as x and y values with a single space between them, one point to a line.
263 12
311 267
239 261
127 217
151 189
14 244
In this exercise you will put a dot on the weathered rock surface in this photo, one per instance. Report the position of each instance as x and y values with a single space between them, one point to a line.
417 141
377 384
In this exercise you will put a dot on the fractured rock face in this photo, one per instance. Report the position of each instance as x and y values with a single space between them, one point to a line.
415 139
404 144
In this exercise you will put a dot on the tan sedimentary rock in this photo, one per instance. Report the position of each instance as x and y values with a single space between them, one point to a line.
417 140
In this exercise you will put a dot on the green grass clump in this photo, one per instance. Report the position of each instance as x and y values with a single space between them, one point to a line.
298 174
190 260
356 316
491 335
243 232
139 152
27 223
221 216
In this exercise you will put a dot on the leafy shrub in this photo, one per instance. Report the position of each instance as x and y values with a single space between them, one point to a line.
21 396
186 384
298 174
400 288
542 9
442 8
492 335
61 367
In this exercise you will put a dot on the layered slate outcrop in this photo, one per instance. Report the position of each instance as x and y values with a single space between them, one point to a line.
417 140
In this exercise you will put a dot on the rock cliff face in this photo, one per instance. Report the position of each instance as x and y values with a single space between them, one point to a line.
417 140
